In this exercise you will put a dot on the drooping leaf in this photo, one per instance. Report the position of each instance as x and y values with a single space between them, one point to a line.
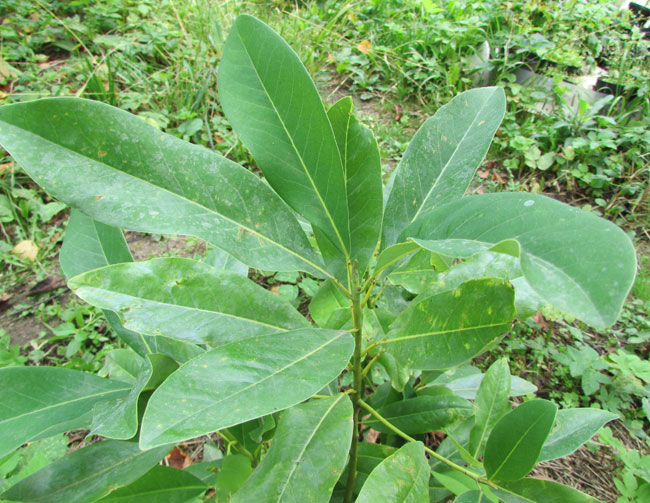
456 482
181 189
540 491
515 442
86 474
573 428
274 107
161 484
188 300
118 417
442 157
402 477
42 401
362 169
491 402
243 380
574 260
308 453
422 414
442 330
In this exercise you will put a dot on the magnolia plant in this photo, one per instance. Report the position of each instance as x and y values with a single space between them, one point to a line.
415 281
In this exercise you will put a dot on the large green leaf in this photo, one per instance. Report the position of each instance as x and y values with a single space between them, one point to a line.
243 380
402 477
274 107
120 170
87 474
540 491
362 168
307 456
442 330
42 401
516 440
573 428
491 402
468 386
442 157
422 414
369 455
188 300
580 263
161 484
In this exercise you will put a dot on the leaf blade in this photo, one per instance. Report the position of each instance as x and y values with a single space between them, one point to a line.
218 200
266 373
308 453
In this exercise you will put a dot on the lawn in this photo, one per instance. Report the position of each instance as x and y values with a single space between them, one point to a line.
576 128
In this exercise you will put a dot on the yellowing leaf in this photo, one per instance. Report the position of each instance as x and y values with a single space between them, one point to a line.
364 46
26 249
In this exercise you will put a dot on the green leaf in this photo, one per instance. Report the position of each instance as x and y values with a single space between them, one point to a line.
327 300
456 482
118 417
540 491
403 477
235 470
183 189
442 157
308 453
185 299
573 427
393 254
277 112
422 414
516 440
161 484
243 380
468 386
445 329
471 497
89 244
576 261
42 401
491 402
362 169
87 474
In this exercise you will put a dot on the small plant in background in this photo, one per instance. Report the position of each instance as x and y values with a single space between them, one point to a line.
404 294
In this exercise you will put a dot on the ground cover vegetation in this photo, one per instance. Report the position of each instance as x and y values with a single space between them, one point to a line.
159 59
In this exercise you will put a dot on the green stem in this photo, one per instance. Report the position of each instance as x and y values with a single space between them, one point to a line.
357 320
371 363
434 454
227 436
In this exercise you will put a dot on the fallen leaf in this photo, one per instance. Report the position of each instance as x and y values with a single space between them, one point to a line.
178 459
398 113
372 436
364 46
540 320
483 173
26 249
275 289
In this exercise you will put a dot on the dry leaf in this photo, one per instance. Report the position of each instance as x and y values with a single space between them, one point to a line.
178 459
6 167
26 249
364 46
398 113
483 173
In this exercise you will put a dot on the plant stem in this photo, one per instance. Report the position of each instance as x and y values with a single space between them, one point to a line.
357 320
397 431
227 436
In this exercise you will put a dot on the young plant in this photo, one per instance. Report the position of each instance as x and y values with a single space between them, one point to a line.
412 289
